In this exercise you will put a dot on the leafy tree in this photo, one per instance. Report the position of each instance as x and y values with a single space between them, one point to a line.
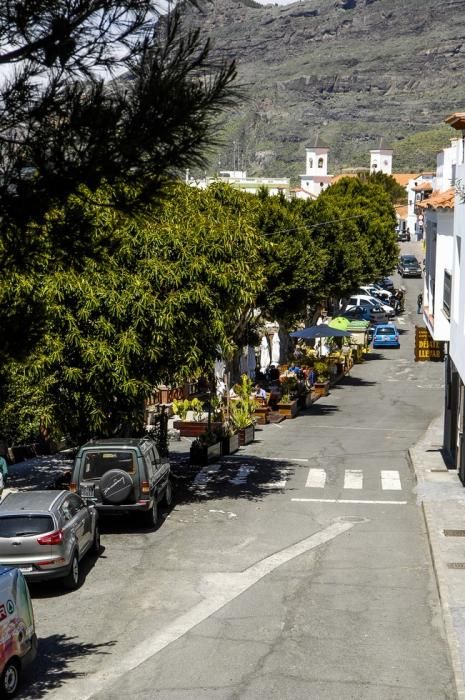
154 308
292 260
354 222
397 193
64 126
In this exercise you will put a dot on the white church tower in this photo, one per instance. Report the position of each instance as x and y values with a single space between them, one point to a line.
381 159
316 178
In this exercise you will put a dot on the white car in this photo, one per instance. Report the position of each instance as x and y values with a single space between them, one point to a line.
375 290
17 630
368 300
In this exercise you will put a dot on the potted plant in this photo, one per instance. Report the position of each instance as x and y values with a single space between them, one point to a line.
321 384
229 440
242 410
205 448
288 405
195 427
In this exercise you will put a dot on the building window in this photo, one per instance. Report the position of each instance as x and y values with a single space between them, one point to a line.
310 163
321 184
320 162
447 293
374 166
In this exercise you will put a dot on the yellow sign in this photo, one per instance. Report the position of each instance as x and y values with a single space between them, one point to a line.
427 349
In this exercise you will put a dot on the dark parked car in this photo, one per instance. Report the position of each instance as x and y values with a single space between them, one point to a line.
365 313
403 236
123 474
45 534
409 266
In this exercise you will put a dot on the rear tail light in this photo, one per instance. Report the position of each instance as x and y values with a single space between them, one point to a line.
73 487
145 487
51 539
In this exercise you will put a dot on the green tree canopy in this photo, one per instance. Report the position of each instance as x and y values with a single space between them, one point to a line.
155 307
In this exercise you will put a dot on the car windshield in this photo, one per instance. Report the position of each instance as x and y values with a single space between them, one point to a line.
385 331
97 462
22 525
410 261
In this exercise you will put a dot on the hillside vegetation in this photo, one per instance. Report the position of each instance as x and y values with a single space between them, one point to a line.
350 70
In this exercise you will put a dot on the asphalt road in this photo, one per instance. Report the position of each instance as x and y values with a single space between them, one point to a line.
297 569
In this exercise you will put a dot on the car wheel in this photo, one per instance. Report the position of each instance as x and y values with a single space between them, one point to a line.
150 518
96 542
73 578
168 493
10 679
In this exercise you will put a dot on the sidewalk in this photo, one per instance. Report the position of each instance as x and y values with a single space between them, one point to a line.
442 498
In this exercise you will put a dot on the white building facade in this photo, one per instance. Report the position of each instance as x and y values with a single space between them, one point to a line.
453 291
316 178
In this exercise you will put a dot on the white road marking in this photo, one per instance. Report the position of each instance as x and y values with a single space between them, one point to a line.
242 475
270 485
219 589
390 480
286 459
330 426
353 479
348 500
316 479
278 426
205 474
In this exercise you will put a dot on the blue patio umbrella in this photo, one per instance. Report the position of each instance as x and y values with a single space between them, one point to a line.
321 331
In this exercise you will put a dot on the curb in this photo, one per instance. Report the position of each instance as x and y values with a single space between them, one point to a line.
440 573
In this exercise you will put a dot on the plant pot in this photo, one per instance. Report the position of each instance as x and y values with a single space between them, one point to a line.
261 415
230 444
321 388
194 428
246 435
289 410
309 399
204 455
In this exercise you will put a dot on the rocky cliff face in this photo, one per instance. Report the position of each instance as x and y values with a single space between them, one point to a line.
350 70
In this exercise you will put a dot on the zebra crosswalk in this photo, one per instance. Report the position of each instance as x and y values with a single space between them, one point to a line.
237 474
389 479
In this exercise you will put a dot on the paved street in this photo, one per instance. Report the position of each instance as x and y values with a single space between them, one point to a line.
298 568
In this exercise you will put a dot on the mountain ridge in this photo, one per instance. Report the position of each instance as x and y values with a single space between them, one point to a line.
351 70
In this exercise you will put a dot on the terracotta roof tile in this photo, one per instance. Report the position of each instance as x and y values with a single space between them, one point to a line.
404 178
440 200
423 187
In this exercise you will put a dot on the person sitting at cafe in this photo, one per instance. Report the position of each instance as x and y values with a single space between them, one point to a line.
273 373
275 396
260 392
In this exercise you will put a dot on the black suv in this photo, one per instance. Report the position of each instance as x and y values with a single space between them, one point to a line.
409 266
123 474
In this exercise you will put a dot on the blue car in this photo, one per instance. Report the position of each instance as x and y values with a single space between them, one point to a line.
386 336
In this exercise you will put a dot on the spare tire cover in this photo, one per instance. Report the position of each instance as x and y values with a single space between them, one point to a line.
115 486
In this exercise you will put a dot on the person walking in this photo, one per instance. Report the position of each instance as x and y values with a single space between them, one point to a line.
3 473
419 303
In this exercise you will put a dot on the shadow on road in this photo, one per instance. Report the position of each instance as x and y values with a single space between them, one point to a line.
52 666
352 381
238 476
55 588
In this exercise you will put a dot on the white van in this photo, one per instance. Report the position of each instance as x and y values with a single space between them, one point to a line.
367 300
18 641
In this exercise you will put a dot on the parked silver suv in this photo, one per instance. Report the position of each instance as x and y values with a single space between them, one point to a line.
123 474
45 534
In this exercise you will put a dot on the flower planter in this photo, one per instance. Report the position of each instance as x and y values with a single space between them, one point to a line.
321 388
204 455
289 410
246 435
230 444
261 415
194 428
309 399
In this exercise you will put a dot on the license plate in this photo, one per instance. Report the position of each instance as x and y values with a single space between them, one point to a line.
88 491
25 569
